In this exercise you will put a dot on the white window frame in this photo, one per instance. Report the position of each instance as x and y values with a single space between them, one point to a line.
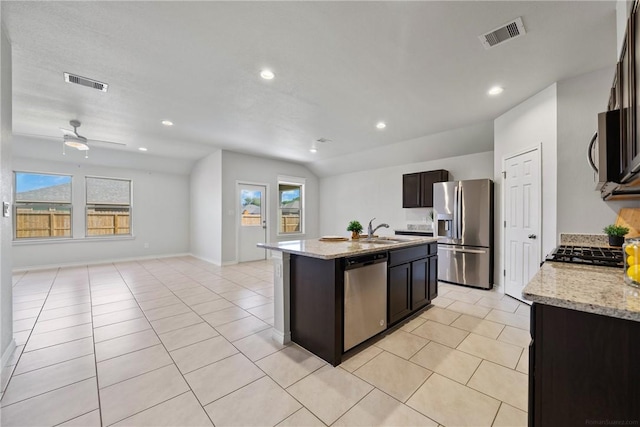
102 205
18 204
297 181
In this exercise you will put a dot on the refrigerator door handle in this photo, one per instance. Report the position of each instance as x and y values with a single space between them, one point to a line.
468 251
460 212
454 222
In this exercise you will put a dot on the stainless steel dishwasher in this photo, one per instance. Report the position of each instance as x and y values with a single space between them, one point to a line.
365 298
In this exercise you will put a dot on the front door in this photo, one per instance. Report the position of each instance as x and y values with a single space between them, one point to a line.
252 222
522 220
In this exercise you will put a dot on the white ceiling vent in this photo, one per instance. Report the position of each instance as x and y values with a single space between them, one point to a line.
505 32
71 78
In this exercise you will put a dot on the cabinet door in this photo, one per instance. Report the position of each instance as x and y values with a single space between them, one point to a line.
427 179
433 277
419 283
399 292
411 190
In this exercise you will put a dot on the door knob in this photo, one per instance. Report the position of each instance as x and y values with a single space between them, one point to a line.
532 236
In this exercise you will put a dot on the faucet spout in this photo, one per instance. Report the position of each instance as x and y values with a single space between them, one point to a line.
371 230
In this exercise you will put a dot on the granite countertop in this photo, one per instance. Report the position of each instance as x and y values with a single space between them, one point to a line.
315 248
598 290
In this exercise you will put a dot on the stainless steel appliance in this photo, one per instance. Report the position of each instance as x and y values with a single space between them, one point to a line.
365 298
590 255
464 212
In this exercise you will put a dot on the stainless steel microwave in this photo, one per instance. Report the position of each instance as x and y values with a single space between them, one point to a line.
605 158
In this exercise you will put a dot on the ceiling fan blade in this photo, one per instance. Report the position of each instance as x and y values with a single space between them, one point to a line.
68 132
92 141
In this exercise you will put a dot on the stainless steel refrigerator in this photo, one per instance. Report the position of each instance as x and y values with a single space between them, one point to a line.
464 214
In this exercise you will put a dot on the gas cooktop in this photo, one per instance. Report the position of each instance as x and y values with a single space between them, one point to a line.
591 255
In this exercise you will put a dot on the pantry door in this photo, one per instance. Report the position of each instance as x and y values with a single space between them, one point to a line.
252 221
521 183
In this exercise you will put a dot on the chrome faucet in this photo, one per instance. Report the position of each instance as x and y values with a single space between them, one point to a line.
371 230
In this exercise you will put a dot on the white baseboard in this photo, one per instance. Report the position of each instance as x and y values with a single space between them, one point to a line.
7 353
97 262
210 261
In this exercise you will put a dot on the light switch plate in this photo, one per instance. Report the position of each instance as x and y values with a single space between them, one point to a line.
5 209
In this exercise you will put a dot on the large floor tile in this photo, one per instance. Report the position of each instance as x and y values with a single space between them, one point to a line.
264 311
204 353
357 360
440 315
175 322
470 309
504 384
242 328
478 326
221 378
510 319
90 419
129 397
302 417
219 304
251 302
187 336
64 311
159 302
378 409
98 310
468 297
61 323
30 313
116 317
515 336
258 345
402 343
505 304
129 365
200 298
509 416
167 311
329 392
495 351
261 403
55 354
54 407
183 410
220 317
290 365
442 302
43 380
393 375
125 344
523 363
120 329
443 334
60 336
452 404
412 324
447 361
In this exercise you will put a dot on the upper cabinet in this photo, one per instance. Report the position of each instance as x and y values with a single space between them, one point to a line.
417 188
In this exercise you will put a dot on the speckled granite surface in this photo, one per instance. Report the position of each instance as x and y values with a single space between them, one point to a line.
599 290
329 250
584 239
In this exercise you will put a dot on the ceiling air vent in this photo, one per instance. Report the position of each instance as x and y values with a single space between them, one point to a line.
503 33
71 78
323 140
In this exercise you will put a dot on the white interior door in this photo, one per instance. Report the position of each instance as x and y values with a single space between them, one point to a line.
522 220
252 223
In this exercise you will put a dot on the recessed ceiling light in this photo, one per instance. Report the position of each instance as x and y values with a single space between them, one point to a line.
313 150
142 148
496 90
167 122
381 125
267 74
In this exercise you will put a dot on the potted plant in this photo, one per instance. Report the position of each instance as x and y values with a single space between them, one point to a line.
616 234
355 228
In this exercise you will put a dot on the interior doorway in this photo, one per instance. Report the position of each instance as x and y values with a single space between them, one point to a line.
522 219
252 221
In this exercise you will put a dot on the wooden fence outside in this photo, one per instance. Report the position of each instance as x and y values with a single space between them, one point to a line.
31 224
290 223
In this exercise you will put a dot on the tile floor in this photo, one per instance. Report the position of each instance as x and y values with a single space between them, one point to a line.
180 342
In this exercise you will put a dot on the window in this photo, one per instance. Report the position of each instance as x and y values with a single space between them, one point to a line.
108 206
42 205
290 206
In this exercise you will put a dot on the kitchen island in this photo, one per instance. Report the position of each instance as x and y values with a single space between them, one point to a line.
309 286
584 357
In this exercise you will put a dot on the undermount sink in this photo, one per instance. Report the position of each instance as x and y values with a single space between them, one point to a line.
383 240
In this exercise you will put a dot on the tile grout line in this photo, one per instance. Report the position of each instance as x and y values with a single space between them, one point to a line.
95 356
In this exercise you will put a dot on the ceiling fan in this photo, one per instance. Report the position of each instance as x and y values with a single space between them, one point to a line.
71 138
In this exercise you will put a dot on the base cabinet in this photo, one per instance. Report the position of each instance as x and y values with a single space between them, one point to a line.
583 369
414 284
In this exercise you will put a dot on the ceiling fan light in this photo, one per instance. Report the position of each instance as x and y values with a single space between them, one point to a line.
76 143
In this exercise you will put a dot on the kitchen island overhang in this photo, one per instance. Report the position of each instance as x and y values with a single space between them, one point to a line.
309 287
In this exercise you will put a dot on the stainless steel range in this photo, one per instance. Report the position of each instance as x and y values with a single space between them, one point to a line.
591 255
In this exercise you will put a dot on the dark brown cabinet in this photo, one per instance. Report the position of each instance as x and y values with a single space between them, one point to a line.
413 280
583 368
417 188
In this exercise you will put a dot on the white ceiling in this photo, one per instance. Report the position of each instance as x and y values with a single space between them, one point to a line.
340 68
